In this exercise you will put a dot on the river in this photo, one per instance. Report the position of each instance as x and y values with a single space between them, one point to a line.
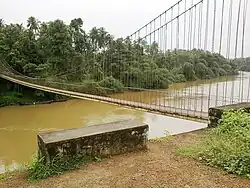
19 125
196 96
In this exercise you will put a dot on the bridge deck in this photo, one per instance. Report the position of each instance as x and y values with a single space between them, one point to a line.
148 107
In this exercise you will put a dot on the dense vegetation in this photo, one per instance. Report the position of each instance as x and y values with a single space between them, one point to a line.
243 64
227 146
62 52
12 94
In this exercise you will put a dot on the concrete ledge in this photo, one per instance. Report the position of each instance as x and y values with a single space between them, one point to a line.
215 113
99 140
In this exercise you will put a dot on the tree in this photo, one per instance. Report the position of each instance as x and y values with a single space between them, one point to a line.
33 24
1 22
30 69
64 52
188 71
201 70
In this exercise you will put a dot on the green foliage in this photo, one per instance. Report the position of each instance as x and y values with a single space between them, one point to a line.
29 69
180 78
39 169
227 146
188 71
112 83
243 64
65 53
89 87
12 94
201 70
11 98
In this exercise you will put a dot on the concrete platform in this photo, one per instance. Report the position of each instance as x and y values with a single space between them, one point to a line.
99 140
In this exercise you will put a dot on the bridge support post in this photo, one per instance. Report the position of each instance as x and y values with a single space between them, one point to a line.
215 113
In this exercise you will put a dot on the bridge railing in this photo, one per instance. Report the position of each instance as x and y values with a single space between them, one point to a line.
217 27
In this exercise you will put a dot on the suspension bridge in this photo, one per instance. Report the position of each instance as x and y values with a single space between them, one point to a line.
214 27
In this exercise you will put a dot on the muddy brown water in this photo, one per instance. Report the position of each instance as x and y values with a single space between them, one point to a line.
19 125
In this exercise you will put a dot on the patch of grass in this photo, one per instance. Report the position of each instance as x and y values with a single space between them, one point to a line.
226 146
188 151
39 169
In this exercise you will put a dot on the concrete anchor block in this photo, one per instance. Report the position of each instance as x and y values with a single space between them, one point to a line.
96 141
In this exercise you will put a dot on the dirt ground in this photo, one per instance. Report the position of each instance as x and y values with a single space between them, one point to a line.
159 167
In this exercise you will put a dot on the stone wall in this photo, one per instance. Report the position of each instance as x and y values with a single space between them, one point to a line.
97 141
215 113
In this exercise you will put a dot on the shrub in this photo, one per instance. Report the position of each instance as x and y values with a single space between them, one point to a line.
111 83
180 78
39 169
11 98
227 146
90 87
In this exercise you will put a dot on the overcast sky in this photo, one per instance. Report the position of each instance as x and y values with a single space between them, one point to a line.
119 17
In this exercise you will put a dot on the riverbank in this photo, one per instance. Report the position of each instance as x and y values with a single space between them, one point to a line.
12 94
160 166
31 102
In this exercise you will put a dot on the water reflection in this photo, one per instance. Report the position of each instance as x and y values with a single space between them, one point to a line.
196 96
